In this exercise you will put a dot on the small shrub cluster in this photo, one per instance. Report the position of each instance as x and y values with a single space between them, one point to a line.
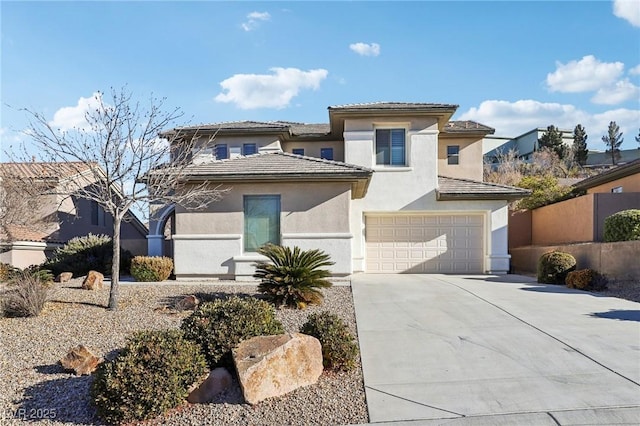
622 226
146 268
7 272
339 347
293 276
220 325
554 266
83 254
586 279
26 296
152 374
45 275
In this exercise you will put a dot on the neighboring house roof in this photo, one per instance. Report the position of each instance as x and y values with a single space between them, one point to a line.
23 233
43 170
467 126
610 175
280 166
599 158
466 189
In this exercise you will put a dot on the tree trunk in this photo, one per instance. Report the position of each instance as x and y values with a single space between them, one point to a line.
115 266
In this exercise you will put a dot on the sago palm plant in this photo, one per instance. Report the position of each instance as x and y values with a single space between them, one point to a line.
293 276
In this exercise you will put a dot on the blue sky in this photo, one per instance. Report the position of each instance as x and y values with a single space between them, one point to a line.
512 65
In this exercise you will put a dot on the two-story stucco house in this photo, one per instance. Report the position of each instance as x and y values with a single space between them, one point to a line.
383 188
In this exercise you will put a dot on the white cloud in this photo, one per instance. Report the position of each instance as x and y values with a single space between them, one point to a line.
68 118
249 91
365 49
628 10
585 75
254 19
621 91
635 70
514 118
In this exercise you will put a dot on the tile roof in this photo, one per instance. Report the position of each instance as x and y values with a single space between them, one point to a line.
392 106
467 189
23 233
43 170
275 165
467 126
294 128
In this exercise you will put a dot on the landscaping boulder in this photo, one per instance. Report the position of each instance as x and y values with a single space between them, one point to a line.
81 360
271 366
216 382
93 281
64 277
188 303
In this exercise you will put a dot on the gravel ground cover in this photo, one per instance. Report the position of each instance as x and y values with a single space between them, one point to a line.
33 387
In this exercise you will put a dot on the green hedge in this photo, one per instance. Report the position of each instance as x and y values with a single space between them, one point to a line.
622 226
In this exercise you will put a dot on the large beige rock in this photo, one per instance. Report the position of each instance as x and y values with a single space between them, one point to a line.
217 382
64 277
81 360
93 281
271 366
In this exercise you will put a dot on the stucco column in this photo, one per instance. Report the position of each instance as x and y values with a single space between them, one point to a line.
155 245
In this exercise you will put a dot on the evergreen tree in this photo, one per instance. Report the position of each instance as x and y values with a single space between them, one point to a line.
613 139
638 137
580 150
552 139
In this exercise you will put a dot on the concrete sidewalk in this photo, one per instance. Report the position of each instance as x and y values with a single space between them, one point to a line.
474 350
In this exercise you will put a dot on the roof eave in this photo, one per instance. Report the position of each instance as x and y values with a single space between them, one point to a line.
468 196
617 173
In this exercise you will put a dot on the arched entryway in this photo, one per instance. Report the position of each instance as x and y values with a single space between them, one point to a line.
159 242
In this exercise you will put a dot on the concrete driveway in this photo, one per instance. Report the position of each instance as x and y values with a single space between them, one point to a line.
482 350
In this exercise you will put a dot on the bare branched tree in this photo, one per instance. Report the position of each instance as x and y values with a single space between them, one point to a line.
124 161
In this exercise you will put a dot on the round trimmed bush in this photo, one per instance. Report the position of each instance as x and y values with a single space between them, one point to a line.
586 279
220 325
151 268
554 266
151 375
339 347
622 226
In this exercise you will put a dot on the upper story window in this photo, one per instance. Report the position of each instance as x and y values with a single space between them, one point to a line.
249 148
97 215
617 189
298 151
222 151
326 153
390 147
453 154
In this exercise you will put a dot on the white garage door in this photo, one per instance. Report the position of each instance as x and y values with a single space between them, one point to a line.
424 243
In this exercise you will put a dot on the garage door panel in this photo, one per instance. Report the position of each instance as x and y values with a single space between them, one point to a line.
424 243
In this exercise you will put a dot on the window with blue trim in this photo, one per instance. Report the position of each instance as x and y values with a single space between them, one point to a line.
249 148
326 153
222 151
298 151
390 147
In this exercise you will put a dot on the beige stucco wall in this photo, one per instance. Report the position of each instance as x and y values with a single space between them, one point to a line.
470 162
616 260
570 220
305 207
312 149
628 184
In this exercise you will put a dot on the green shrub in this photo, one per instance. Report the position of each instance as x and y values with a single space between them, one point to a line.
146 268
545 190
554 266
151 375
26 296
339 348
45 275
83 254
586 279
622 226
292 277
220 325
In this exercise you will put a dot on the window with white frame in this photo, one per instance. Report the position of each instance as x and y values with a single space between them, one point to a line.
453 154
261 221
616 190
222 151
390 147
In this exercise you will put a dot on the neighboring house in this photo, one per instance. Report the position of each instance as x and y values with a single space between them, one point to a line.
580 219
382 188
596 159
524 145
62 218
